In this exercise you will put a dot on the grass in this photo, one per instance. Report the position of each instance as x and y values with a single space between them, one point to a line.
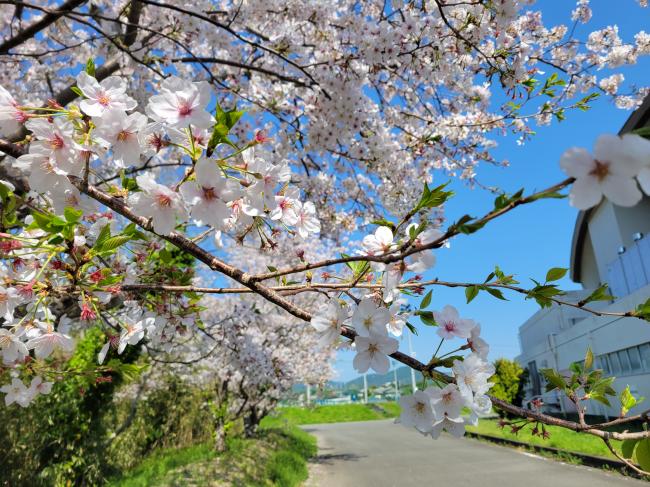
156 466
276 457
338 413
560 438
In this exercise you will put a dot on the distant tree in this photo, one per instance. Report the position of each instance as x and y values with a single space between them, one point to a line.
507 379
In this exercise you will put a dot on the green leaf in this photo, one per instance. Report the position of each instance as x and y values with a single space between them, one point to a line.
225 122
412 328
42 220
90 67
426 317
494 292
556 273
104 234
628 401
598 295
115 242
72 215
382 222
642 453
432 198
627 448
589 359
643 310
554 379
426 301
470 293
76 91
165 255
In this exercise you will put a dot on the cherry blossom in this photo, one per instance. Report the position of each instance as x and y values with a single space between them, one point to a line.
181 104
120 132
368 317
416 411
16 392
307 222
472 375
609 172
108 95
9 299
209 194
327 322
10 115
373 351
49 340
451 325
158 202
12 347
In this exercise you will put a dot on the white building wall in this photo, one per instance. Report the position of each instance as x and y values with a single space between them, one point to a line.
558 336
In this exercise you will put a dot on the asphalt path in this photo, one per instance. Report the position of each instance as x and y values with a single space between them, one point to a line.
380 453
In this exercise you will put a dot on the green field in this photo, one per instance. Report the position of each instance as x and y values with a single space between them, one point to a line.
560 438
338 414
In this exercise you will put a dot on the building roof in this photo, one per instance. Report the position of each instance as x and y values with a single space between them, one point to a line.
640 118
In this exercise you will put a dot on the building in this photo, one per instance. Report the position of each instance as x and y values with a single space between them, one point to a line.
610 244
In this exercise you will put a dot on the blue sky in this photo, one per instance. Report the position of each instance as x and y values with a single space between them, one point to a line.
531 239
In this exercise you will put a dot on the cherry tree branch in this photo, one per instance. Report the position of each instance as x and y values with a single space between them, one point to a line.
407 249
48 19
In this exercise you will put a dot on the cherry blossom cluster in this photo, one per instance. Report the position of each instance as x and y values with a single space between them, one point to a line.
373 99
617 168
221 195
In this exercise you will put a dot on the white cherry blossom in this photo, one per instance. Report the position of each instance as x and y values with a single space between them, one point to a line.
119 132
108 94
307 222
208 195
16 392
158 202
416 411
373 351
472 375
327 322
609 172
368 317
48 341
11 347
451 325
181 104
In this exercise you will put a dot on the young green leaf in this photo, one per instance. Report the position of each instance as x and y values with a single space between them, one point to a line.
470 293
556 273
426 301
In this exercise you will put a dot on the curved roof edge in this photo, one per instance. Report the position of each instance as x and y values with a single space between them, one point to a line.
639 118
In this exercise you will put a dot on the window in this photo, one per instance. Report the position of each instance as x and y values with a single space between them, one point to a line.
614 363
645 355
601 363
635 359
625 362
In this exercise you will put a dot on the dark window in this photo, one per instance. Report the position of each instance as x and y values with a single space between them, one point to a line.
635 359
614 363
645 354
625 361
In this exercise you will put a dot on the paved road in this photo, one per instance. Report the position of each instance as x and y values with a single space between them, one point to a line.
383 454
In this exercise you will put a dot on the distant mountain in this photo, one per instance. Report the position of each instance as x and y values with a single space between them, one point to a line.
403 377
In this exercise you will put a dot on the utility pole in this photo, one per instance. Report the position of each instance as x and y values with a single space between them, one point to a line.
412 354
365 389
308 394
395 380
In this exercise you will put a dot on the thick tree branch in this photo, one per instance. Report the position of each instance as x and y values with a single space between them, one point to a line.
48 19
